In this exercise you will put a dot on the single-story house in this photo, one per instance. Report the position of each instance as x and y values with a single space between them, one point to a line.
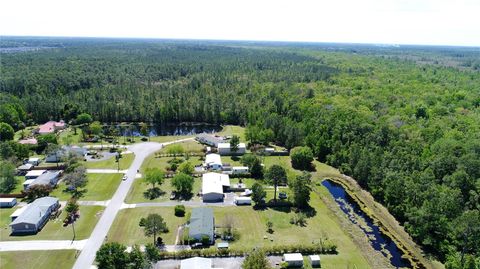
213 186
35 216
18 212
8 202
202 224
238 170
24 168
213 161
242 200
196 263
49 178
34 161
293 259
33 174
64 152
51 127
224 149
209 139
28 141
314 260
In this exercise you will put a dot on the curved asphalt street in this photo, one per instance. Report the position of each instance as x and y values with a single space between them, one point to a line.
142 151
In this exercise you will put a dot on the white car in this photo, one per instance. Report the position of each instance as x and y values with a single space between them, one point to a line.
124 177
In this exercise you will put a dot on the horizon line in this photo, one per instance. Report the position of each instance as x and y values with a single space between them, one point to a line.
243 40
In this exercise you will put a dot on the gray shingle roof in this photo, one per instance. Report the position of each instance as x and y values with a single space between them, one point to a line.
46 178
201 221
35 211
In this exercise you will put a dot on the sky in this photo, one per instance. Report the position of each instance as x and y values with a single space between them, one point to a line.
428 22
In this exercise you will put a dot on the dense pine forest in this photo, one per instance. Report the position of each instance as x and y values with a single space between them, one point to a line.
403 121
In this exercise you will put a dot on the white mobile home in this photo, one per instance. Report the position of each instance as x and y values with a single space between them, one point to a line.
239 170
213 162
224 149
293 259
33 174
243 200
8 202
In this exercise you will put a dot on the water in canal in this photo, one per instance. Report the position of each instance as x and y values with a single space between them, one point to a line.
378 240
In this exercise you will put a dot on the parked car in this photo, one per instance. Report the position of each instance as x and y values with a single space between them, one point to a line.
173 196
282 195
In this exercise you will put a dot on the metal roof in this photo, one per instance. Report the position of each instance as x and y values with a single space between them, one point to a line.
213 158
196 263
201 221
293 257
46 178
35 211
214 182
227 145
34 173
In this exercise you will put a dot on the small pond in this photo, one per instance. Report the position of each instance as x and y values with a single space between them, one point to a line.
377 239
161 130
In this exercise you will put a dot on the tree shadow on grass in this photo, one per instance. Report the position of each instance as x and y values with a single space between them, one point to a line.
153 193
309 211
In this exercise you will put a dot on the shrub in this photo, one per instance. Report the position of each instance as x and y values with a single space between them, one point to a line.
179 210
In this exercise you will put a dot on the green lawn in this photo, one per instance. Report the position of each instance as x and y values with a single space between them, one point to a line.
125 228
135 195
233 130
188 146
168 138
111 163
252 227
162 162
5 217
54 230
40 259
99 187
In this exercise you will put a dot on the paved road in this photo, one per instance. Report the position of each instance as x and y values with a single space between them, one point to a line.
41 245
142 151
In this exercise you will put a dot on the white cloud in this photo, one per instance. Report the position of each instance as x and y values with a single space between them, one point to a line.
368 21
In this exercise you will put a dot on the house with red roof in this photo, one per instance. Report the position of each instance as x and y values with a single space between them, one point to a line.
51 127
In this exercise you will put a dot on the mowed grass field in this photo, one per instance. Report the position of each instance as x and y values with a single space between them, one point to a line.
40 259
125 228
111 163
251 225
54 230
135 195
99 187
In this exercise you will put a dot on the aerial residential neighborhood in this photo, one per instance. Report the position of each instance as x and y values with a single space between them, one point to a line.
240 134
212 197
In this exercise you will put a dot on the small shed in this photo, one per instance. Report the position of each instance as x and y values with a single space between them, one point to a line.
293 259
314 260
8 202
